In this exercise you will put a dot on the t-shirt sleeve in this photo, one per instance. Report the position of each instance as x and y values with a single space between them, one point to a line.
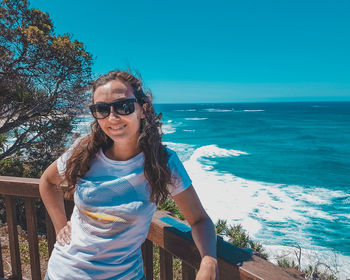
62 160
180 180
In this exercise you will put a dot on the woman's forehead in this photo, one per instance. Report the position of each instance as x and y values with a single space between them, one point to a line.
112 91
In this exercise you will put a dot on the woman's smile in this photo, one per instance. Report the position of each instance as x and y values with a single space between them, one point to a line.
117 127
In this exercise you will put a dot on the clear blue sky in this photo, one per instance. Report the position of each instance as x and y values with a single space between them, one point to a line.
217 51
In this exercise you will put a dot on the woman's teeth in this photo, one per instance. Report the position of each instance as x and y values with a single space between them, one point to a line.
117 127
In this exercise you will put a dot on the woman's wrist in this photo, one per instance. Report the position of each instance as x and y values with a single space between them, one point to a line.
208 269
209 261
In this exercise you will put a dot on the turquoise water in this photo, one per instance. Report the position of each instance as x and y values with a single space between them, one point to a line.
282 170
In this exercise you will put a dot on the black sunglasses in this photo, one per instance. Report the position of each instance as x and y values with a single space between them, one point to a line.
121 107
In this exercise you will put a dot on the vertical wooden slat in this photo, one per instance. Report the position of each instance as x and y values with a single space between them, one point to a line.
32 237
50 233
147 255
13 236
166 265
1 264
188 273
69 205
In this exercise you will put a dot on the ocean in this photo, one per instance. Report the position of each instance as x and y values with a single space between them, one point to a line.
282 170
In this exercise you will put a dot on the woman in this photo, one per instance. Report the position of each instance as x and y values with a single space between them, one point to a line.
118 174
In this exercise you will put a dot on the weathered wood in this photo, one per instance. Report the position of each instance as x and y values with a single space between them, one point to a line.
13 236
69 206
166 264
173 239
180 247
147 255
50 233
188 273
258 268
1 264
228 271
32 237
233 261
25 187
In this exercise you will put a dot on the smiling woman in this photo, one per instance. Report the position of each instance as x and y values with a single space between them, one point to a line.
118 174
118 114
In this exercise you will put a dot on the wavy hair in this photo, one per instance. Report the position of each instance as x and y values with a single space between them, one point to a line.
156 169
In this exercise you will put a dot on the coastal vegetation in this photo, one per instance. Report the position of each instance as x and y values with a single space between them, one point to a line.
43 80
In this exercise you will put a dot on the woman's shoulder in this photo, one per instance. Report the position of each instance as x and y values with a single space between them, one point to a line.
173 158
171 153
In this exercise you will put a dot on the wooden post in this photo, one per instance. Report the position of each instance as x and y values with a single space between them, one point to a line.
69 205
147 255
13 236
50 233
32 237
188 273
1 265
166 265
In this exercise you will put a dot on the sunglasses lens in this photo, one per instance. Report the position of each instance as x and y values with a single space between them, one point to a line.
125 108
101 111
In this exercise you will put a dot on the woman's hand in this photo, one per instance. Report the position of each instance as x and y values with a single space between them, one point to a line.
208 269
64 235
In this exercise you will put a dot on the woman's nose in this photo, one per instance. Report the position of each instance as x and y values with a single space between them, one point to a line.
113 114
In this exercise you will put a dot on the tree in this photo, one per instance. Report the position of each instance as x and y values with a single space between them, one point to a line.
43 81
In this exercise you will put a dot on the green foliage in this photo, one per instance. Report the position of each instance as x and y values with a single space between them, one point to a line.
314 273
237 236
43 82
311 271
11 166
287 263
170 206
221 227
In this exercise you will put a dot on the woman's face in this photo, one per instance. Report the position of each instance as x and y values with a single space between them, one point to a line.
119 127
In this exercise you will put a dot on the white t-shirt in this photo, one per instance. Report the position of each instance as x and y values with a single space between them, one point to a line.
110 220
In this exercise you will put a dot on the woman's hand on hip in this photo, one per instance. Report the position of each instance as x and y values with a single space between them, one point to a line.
208 269
64 235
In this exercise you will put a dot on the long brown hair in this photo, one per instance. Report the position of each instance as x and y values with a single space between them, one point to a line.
156 170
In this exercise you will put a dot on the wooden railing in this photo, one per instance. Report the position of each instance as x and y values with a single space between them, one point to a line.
171 236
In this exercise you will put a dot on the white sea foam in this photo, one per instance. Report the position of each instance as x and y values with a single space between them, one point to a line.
253 110
212 110
214 151
195 119
189 130
188 110
84 123
290 210
168 129
184 151
170 126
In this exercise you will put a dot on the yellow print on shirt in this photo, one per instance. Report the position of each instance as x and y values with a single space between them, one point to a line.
105 217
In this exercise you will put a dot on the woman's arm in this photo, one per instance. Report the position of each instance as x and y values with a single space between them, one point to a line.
52 197
203 231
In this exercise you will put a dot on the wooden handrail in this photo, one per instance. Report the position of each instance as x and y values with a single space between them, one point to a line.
173 238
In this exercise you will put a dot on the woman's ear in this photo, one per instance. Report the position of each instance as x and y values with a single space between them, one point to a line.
143 111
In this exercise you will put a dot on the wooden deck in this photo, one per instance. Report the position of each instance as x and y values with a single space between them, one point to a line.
172 236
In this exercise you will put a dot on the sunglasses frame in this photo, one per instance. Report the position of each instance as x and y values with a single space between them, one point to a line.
115 106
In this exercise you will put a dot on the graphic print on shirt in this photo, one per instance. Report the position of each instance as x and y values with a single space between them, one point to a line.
108 205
